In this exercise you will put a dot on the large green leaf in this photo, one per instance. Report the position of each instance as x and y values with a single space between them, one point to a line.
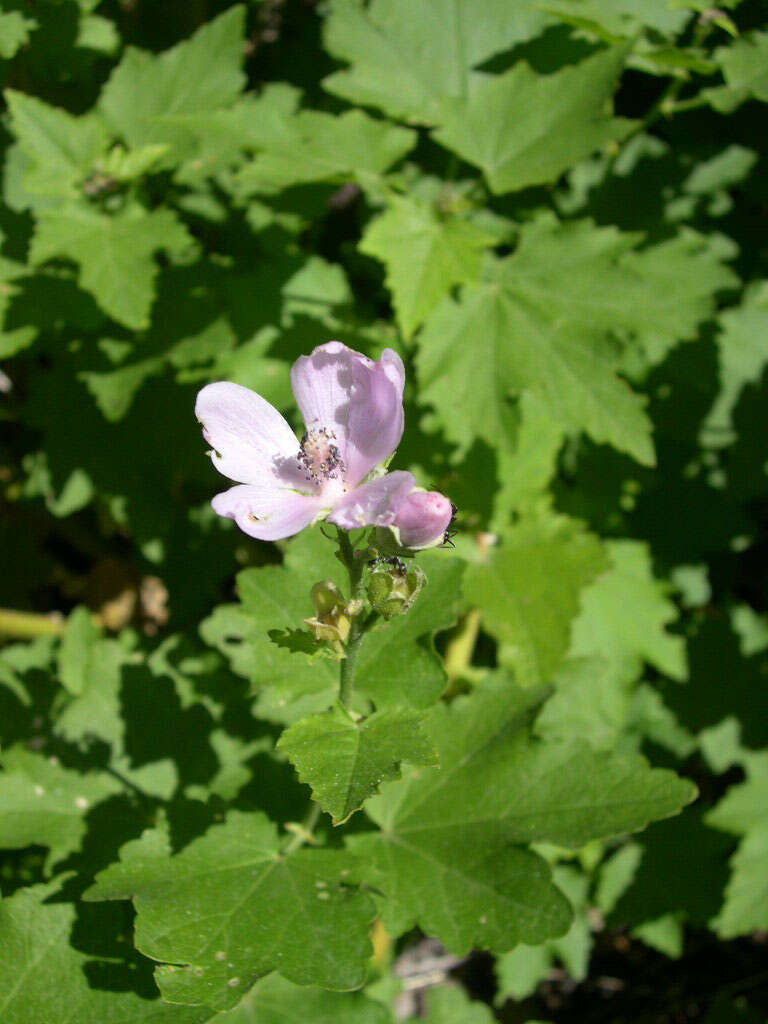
115 254
231 907
345 760
522 128
164 99
45 979
425 256
451 829
528 592
407 65
548 318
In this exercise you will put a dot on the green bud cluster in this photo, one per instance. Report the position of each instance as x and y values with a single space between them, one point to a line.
392 588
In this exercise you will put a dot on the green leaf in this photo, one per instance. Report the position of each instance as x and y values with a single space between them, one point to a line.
522 128
744 64
114 254
450 829
45 979
80 637
743 811
520 971
314 146
164 99
273 1000
543 323
45 804
450 1005
528 592
425 256
344 760
625 614
407 66
619 17
397 664
423 851
742 352
273 600
592 700
230 907
60 149
15 30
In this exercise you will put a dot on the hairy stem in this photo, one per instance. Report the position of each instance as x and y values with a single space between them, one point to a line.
354 567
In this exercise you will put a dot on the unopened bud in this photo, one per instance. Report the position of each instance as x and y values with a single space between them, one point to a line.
392 588
330 623
423 519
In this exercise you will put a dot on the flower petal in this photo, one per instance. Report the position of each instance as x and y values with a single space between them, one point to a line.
422 519
266 513
248 436
373 504
376 417
359 400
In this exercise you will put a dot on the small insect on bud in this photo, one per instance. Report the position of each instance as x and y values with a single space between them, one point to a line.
393 588
330 623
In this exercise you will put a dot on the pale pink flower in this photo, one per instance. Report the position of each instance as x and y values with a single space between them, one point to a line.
353 412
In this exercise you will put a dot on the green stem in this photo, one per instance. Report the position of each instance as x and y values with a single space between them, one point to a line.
354 567
27 625
304 831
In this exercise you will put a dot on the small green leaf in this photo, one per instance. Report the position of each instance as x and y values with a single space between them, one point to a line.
60 148
230 907
80 637
344 761
522 128
315 146
744 64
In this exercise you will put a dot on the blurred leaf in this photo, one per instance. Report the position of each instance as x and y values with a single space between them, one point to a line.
273 1000
528 592
624 615
743 63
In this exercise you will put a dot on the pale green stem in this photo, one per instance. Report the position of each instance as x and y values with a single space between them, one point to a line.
27 625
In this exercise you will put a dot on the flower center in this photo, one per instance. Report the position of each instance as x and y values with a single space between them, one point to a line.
319 457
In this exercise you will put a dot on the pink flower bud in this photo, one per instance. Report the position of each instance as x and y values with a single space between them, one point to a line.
423 519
